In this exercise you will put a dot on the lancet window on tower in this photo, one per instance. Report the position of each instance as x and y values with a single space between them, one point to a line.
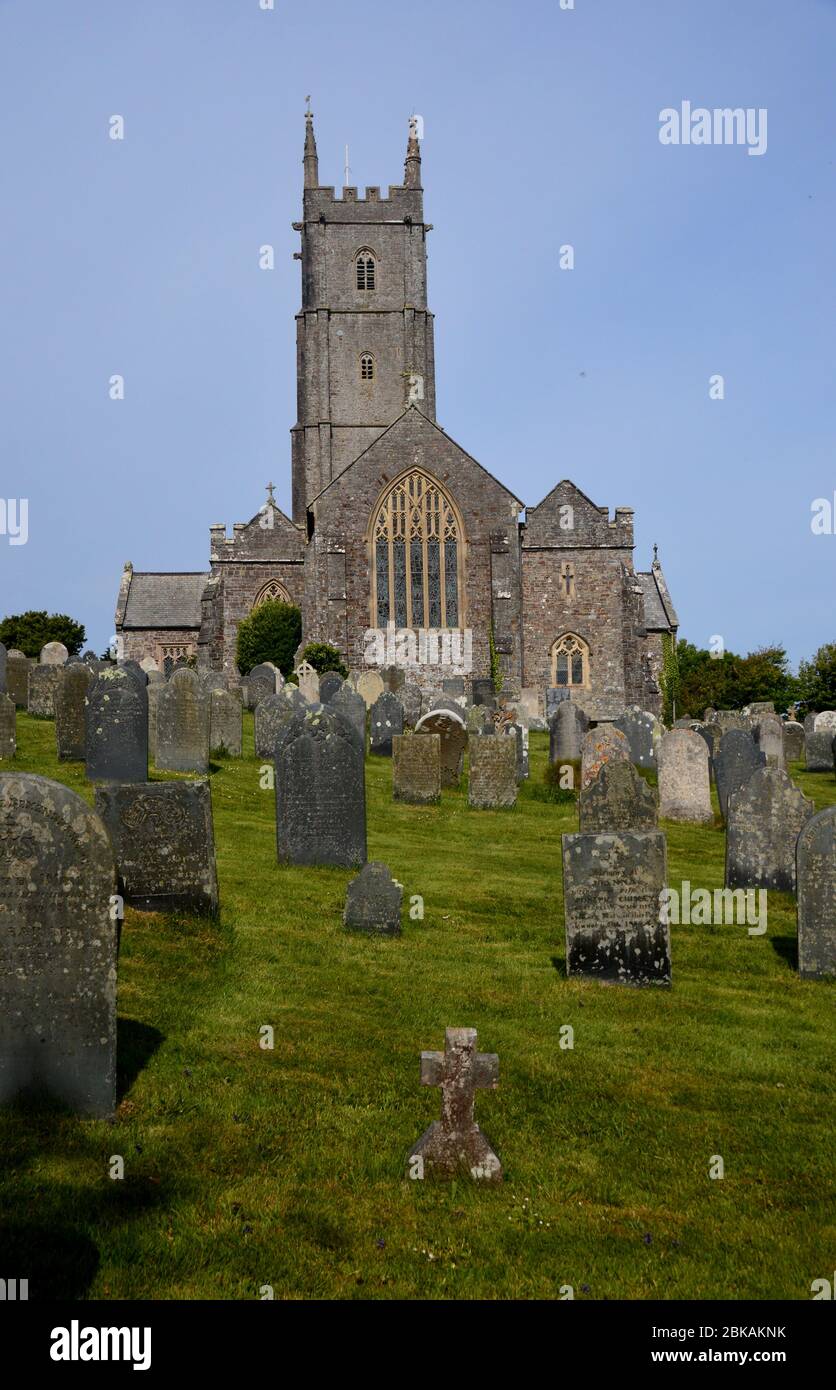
365 266
416 556
570 661
367 367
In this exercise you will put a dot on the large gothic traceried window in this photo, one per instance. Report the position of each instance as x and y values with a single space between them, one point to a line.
416 556
570 661
273 589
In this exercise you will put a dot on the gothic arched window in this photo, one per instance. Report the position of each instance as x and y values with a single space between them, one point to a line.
367 367
570 661
416 556
365 267
272 590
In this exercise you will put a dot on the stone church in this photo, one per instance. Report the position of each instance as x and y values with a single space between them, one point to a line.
394 523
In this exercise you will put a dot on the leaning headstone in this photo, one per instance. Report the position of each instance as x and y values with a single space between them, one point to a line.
370 686
320 791
8 735
684 781
734 762
308 678
492 780
17 678
163 839
43 685
410 697
616 923
818 751
617 799
352 707
793 736
225 720
373 901
3 659
766 817
329 685
825 721
273 715
416 769
59 945
70 711
53 654
116 730
816 874
603 744
183 725
769 737
455 1145
385 721
567 727
453 732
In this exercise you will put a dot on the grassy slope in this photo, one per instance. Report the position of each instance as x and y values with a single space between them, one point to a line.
247 1167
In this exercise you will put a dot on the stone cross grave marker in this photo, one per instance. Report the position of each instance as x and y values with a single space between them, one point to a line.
308 678
455 1144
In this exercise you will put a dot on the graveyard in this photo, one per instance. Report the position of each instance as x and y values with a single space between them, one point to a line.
249 1166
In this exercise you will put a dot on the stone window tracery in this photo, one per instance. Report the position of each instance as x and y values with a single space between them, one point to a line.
366 267
416 556
570 661
273 590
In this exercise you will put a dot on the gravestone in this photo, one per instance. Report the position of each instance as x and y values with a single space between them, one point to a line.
59 937
416 768
320 791
769 737
818 751
272 717
148 664
255 689
638 728
183 724
482 690
809 723
603 744
385 720
528 707
17 678
816 876
712 734
3 659
567 727
43 684
826 720
760 707
492 780
616 927
53 654
554 696
116 730
70 711
352 707
520 737
265 670
617 799
135 672
729 719
766 817
455 1145
225 722
480 721
152 696
684 781
393 678
329 684
793 735
8 733
410 697
163 840
370 686
450 726
154 678
453 687
373 901
736 759
308 679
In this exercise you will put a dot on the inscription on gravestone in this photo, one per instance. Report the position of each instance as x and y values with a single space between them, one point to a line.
618 799
765 819
320 791
385 721
492 781
8 732
183 724
116 729
450 727
70 711
734 762
616 928
43 684
225 722
373 901
416 768
163 839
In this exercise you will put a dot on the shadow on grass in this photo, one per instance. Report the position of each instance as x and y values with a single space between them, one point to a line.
787 948
559 963
136 1044
58 1261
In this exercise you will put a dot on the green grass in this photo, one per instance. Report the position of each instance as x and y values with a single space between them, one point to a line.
247 1167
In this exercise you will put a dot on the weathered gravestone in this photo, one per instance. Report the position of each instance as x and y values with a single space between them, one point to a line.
352 707
567 727
164 843
43 684
8 734
684 781
308 678
255 689
3 659
58 941
152 695
818 751
410 697
370 686
482 690
329 685
320 791
116 730
759 707
638 727
826 720
766 816
769 737
416 769
480 721
554 696
601 745
272 716
617 799
225 722
393 678
729 719
135 671
793 735
734 762
450 726
183 724
492 780
17 678
385 721
616 924
70 711
148 664
816 876
267 671
455 1145
809 723
516 731
711 734
373 901
54 654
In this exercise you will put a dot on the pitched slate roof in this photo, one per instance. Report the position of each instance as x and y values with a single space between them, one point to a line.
659 612
164 600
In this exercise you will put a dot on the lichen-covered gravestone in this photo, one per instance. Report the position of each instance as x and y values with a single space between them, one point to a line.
450 726
255 689
410 697
734 762
825 721
455 1145
385 721
152 695
320 791
8 733
54 654
267 671
352 707
766 816
769 737
492 780
272 715
684 781
183 724
17 678
601 745
70 711
567 727
816 871
480 721
225 722
116 730
373 901
818 751
329 684
793 735
416 769
370 686
638 727
616 925
43 684
58 943
618 799
164 843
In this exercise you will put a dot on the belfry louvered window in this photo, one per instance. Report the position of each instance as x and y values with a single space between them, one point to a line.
416 556
570 661
367 367
365 270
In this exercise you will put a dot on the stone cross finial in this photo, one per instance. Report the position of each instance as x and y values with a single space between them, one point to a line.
308 111
455 1142
270 490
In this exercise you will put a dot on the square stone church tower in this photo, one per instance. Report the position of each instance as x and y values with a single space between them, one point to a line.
396 529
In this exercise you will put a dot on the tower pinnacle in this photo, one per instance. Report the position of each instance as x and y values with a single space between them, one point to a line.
311 160
412 166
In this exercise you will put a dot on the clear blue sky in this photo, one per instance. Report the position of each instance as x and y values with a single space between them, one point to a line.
140 258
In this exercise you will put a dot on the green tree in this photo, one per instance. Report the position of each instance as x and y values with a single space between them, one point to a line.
272 632
817 679
324 658
31 631
731 681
